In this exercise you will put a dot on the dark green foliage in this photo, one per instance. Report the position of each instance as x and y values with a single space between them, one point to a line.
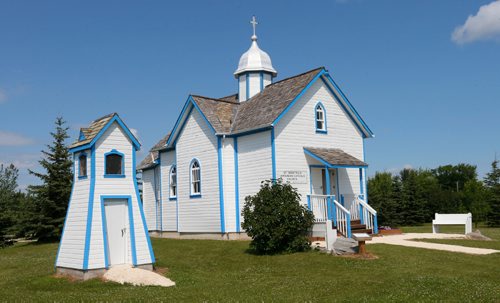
412 204
475 200
276 220
413 196
9 198
45 216
492 182
454 177
382 198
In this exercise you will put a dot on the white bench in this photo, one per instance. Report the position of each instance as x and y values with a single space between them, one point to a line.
452 219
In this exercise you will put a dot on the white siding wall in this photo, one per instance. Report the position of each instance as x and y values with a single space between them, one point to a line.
254 164
148 198
229 184
297 129
158 197
197 140
267 79
254 79
73 241
167 160
242 82
115 138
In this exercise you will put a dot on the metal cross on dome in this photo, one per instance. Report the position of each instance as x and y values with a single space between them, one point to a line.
254 24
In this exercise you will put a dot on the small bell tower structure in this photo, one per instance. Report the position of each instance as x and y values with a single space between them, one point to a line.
255 70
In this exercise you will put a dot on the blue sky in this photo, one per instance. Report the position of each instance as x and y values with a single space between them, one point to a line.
425 75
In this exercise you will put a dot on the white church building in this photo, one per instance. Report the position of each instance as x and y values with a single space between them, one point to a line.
302 129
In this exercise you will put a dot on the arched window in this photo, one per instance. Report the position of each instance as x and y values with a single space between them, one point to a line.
113 163
82 166
195 178
320 118
173 182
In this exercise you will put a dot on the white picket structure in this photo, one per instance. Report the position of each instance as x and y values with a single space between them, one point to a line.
325 208
364 212
342 219
318 204
353 206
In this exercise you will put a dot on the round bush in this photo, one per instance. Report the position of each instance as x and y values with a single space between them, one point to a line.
276 220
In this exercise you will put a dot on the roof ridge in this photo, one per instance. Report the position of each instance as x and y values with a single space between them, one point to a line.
215 99
222 98
286 79
104 117
301 74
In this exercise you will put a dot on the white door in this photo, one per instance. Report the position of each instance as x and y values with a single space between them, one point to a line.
317 184
116 212
318 179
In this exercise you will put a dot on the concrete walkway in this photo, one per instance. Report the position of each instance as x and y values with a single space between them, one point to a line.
406 240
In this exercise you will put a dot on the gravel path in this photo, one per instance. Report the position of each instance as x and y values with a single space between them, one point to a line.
406 240
139 277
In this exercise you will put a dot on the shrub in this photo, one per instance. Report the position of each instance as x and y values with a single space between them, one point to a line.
276 220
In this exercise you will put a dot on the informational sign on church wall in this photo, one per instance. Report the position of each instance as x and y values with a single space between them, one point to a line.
293 176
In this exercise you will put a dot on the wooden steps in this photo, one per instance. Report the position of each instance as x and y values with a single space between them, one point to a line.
357 227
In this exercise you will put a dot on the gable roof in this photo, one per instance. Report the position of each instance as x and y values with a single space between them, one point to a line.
334 157
97 128
262 109
154 153
219 112
227 116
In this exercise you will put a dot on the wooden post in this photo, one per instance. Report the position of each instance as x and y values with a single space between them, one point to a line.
362 247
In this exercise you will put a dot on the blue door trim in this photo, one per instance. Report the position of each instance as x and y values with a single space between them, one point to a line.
133 247
90 209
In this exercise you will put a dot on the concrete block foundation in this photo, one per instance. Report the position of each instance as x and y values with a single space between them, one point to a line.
84 275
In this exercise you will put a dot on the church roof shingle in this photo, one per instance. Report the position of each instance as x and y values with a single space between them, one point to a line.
262 109
335 156
228 116
154 153
92 131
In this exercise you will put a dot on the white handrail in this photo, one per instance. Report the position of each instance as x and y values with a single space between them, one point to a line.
342 219
367 215
354 209
318 204
325 207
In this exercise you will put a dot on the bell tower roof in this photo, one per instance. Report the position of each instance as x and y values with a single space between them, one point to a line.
255 59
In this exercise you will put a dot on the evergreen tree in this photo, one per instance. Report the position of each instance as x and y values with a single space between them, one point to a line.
8 198
51 198
381 198
492 182
412 204
475 200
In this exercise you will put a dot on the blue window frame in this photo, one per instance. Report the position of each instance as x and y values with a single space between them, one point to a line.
173 183
195 178
82 166
114 164
320 118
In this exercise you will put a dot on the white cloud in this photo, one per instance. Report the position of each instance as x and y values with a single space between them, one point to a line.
13 139
3 96
397 170
485 25
20 161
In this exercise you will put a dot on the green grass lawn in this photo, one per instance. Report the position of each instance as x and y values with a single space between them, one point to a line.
223 271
